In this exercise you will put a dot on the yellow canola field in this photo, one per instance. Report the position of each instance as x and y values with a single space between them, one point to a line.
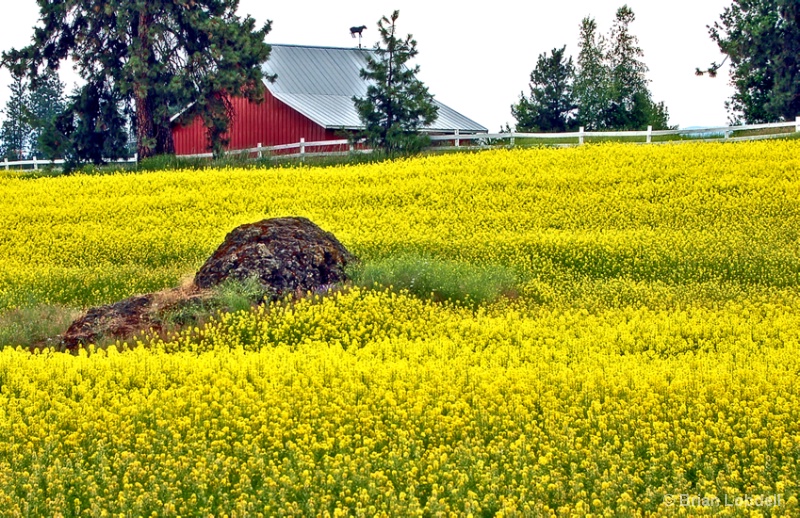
648 366
621 216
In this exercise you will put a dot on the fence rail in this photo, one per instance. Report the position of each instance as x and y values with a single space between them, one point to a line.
49 163
483 140
302 149
475 140
581 134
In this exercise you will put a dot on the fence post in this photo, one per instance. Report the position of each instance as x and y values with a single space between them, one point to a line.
649 134
259 149
302 147
35 164
511 140
581 131
136 158
797 123
727 134
6 161
458 141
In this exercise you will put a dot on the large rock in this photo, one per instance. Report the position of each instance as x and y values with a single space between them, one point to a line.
285 255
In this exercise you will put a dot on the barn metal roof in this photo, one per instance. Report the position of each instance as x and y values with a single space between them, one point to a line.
320 83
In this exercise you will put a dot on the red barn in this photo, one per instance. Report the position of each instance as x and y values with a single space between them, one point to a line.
312 99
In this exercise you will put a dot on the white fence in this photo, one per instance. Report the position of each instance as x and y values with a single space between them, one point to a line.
483 140
705 134
480 140
302 147
49 163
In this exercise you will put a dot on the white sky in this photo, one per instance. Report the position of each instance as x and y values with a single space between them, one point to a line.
478 57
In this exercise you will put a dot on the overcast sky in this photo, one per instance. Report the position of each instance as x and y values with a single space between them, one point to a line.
477 57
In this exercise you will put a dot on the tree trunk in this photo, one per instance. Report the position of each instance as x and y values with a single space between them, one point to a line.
145 130
145 143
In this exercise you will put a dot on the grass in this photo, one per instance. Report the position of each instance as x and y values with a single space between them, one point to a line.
35 326
437 279
229 297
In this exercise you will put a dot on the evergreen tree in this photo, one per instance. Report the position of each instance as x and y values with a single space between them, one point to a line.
610 90
45 103
15 133
92 128
397 104
630 106
629 94
160 55
592 78
551 105
761 38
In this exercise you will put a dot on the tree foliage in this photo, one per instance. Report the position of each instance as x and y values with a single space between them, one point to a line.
627 74
29 112
551 106
92 128
397 104
611 86
592 76
608 90
631 105
161 55
45 103
15 133
761 39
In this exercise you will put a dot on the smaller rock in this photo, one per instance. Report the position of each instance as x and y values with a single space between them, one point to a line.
118 320
123 319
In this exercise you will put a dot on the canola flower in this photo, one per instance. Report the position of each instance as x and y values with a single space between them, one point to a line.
652 350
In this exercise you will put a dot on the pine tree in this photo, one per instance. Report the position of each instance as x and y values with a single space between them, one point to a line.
397 104
612 90
592 78
160 55
45 103
761 39
551 105
92 128
15 132
629 92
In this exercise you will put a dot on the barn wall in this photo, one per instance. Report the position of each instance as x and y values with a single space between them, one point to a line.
271 123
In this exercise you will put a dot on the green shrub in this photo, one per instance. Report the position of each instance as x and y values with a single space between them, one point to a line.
235 296
441 280
171 162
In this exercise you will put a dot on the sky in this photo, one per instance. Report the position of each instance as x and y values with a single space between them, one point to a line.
477 58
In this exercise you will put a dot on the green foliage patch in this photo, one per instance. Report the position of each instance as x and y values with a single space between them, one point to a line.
439 279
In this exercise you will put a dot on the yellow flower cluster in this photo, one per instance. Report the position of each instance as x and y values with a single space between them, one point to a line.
647 367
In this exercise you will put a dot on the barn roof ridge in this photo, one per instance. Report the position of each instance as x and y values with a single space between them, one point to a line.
327 47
